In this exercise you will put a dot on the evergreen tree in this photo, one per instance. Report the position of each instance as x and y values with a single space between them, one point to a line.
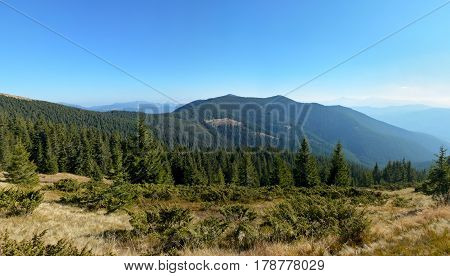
281 174
376 174
147 159
305 167
220 177
438 182
367 179
339 172
21 170
117 172
235 173
247 174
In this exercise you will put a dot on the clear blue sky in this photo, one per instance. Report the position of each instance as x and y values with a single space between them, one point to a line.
199 49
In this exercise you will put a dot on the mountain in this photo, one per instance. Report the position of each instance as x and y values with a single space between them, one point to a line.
232 121
279 121
412 117
136 106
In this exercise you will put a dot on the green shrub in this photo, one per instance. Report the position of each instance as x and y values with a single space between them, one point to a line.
401 202
158 192
17 202
240 233
314 216
208 231
96 195
241 236
171 225
353 226
67 185
37 247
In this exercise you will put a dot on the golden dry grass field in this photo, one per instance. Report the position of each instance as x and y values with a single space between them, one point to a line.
408 223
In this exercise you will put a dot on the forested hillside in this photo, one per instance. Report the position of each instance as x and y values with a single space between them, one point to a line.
280 121
121 146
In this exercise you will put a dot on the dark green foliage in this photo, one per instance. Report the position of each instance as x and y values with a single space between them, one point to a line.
282 173
37 247
171 225
339 172
66 185
42 151
157 192
240 234
305 167
17 202
245 172
146 160
315 217
438 182
95 195
399 171
21 170
376 174
208 231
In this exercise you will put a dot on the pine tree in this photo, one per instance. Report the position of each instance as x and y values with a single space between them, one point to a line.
438 182
339 172
281 174
235 173
147 160
376 174
21 170
305 167
117 172
220 177
244 172
367 179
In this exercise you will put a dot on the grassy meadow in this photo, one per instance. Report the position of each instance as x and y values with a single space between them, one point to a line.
77 216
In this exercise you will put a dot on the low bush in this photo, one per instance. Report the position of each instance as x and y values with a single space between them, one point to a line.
314 217
241 233
158 191
401 202
17 202
37 247
208 232
96 195
67 185
170 225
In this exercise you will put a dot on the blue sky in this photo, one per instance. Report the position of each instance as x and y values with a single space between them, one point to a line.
200 49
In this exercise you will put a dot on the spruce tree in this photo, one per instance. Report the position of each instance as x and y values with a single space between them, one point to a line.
281 174
116 172
147 160
235 173
248 175
305 167
220 177
438 182
339 172
376 174
21 170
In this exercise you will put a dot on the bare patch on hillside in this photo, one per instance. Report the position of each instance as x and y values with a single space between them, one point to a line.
223 122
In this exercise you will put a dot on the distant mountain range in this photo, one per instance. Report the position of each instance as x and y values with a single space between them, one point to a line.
232 121
136 106
253 121
434 121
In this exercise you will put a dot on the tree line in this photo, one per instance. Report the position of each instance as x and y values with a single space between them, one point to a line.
45 147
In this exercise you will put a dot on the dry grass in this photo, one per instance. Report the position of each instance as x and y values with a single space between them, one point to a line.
46 178
65 222
419 227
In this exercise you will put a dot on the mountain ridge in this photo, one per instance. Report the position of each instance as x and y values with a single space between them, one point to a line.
366 140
